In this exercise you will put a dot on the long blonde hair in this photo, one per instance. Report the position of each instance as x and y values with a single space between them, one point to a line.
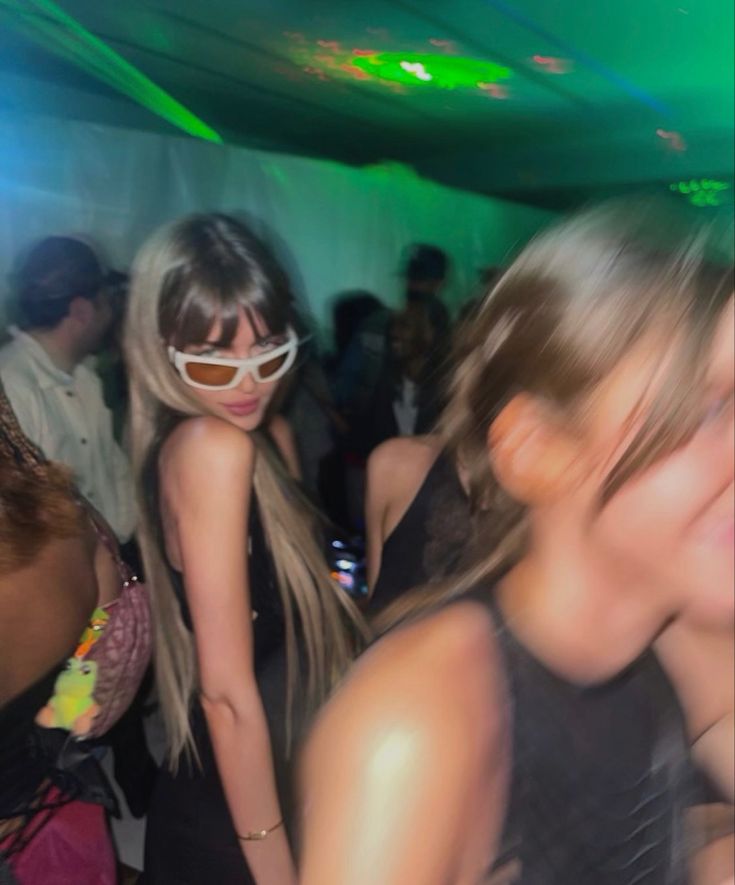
560 319
189 274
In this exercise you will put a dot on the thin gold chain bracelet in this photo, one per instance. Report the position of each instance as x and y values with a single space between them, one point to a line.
259 835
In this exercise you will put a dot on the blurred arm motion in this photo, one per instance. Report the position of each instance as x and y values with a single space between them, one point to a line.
405 776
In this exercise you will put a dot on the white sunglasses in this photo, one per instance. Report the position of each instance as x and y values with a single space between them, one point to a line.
217 373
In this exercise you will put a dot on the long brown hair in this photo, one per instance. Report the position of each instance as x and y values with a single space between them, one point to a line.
575 301
189 274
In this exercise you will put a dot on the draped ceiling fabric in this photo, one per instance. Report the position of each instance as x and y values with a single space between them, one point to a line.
337 228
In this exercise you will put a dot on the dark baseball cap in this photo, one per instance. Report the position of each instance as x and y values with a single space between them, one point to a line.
61 268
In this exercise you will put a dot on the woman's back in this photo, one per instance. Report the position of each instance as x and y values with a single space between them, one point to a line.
417 516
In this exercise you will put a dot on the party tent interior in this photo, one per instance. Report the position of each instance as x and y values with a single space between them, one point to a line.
349 130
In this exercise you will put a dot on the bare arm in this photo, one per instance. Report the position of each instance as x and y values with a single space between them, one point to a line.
208 483
711 834
405 775
701 665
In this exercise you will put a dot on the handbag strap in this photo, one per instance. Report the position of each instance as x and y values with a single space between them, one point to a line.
107 537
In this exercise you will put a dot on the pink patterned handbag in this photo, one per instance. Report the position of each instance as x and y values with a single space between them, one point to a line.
123 650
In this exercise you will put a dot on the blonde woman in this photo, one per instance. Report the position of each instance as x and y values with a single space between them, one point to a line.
228 548
533 719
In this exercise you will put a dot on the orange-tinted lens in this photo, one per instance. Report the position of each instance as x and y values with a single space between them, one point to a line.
210 374
265 370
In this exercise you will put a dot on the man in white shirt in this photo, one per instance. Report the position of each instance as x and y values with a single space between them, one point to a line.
66 309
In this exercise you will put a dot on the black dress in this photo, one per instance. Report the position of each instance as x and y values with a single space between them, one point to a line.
428 541
601 774
190 837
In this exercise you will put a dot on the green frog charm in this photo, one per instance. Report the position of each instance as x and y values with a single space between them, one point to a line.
72 705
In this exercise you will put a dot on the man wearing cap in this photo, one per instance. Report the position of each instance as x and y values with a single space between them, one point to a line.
426 273
65 307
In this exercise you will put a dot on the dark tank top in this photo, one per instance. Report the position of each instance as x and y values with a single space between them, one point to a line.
265 598
428 541
601 774
190 836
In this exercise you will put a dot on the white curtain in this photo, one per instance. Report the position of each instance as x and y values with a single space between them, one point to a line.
336 227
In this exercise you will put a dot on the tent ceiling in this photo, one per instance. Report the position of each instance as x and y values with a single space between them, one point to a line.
590 97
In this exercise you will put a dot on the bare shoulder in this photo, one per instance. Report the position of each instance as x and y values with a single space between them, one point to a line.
395 471
205 453
436 680
209 438
413 455
404 776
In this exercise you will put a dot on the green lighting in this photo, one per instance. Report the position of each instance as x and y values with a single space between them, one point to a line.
440 71
701 192
47 24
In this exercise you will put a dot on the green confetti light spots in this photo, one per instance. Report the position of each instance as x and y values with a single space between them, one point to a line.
429 69
702 192
59 33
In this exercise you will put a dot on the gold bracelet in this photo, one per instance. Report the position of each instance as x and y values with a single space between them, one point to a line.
259 835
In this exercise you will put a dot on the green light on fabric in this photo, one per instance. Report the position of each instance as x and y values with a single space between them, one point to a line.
57 32
701 192
427 69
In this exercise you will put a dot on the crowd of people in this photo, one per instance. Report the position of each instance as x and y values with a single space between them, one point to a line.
533 683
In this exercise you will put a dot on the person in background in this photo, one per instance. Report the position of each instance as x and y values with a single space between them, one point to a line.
534 717
409 393
426 271
110 363
238 581
417 517
54 571
65 308
360 321
69 308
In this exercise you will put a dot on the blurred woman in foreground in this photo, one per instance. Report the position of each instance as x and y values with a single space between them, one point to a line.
533 718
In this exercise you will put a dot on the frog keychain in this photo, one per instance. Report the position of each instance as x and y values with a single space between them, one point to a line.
72 705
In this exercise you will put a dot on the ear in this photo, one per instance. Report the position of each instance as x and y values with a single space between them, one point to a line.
533 456
81 310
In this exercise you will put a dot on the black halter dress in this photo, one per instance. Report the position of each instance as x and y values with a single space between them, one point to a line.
190 837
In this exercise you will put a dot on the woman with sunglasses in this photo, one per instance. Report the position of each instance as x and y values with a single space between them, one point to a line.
228 549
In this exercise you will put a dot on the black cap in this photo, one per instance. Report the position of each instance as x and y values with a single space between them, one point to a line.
425 262
54 271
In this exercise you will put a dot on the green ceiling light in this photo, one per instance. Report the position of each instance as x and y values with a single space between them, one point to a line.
702 192
47 24
430 69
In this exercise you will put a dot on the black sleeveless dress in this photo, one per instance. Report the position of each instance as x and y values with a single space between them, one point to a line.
428 541
601 774
190 837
